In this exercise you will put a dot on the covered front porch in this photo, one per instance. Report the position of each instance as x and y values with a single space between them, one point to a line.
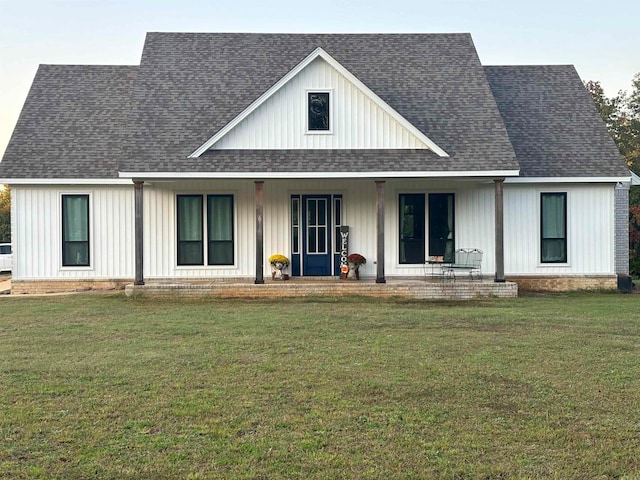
417 288
272 216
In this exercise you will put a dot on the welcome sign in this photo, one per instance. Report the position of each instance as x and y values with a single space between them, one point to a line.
344 251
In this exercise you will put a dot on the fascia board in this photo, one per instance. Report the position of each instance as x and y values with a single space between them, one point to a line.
525 180
332 175
65 181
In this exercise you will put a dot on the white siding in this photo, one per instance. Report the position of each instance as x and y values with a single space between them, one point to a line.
36 218
37 232
281 122
160 234
474 220
590 230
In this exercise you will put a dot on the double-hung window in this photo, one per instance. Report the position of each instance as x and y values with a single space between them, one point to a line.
194 225
553 227
75 230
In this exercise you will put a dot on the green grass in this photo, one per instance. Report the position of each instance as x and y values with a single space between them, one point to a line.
101 386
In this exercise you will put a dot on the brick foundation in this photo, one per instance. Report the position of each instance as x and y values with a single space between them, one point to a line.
564 283
59 286
461 290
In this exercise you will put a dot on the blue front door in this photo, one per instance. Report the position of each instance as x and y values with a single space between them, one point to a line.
316 235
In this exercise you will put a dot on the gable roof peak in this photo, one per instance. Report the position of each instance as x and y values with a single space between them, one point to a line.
319 52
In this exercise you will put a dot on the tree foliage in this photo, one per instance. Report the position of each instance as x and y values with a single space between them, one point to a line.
5 215
621 114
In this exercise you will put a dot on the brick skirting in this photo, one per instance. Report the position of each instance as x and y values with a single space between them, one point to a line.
564 283
460 290
60 286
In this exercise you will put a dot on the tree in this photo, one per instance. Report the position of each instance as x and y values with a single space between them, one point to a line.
5 214
621 114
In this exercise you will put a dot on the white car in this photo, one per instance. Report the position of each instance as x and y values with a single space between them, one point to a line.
5 257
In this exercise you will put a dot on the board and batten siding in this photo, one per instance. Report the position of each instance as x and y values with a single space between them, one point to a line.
590 230
37 232
355 120
36 220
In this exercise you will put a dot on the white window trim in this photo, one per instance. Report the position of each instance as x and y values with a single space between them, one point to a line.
306 111
76 268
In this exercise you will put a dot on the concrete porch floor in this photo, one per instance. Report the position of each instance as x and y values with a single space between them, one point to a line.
460 289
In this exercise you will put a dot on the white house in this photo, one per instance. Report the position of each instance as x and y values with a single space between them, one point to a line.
221 149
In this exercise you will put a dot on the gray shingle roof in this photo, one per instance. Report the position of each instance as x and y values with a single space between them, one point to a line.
93 121
552 122
72 123
311 161
190 85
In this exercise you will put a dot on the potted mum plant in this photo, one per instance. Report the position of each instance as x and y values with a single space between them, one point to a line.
355 262
278 264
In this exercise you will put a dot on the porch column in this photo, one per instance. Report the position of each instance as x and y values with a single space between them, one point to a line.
499 183
380 230
259 232
138 233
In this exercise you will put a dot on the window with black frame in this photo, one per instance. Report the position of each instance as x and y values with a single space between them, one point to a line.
220 229
411 227
318 112
190 230
213 227
553 227
75 230
442 226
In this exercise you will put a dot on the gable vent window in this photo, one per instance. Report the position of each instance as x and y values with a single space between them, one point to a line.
318 104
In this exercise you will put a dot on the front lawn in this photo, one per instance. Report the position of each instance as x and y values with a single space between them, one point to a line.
102 386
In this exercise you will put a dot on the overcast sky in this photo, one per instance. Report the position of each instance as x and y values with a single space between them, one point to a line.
601 38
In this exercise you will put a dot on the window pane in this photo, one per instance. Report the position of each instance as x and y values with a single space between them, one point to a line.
337 211
220 217
411 228
554 250
322 212
318 111
76 227
221 253
190 251
75 254
75 230
311 212
294 211
296 241
189 217
322 240
311 234
553 216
